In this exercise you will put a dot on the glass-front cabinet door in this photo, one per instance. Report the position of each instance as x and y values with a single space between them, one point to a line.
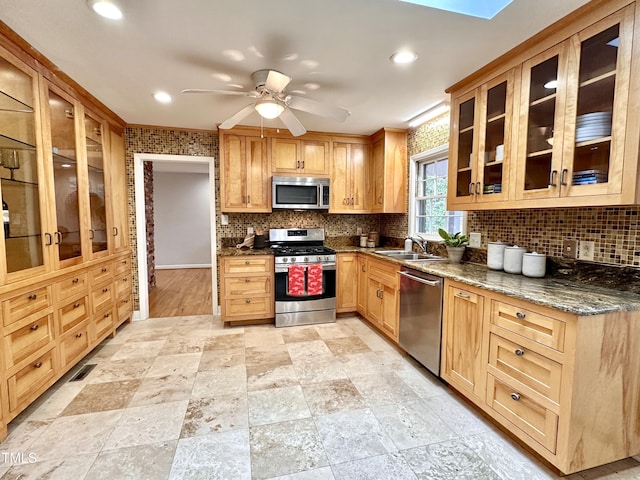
595 132
542 108
494 149
98 234
21 178
464 151
66 171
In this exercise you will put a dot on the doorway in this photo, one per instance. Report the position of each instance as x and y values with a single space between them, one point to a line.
175 163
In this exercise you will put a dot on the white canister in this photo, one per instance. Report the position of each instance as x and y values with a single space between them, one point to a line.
495 255
408 244
534 265
513 259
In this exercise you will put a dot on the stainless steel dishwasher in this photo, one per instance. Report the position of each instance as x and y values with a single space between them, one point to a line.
420 331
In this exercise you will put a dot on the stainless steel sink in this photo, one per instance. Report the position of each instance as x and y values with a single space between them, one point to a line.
405 255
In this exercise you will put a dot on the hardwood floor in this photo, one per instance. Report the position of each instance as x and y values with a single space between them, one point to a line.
181 292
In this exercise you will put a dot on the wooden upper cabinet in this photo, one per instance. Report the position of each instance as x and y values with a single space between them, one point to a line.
244 174
388 172
574 122
349 175
301 157
119 203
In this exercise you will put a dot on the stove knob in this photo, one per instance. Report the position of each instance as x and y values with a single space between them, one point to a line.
293 259
285 260
306 259
326 259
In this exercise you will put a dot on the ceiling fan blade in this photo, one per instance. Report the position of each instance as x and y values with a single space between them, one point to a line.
317 108
222 92
238 117
276 81
292 123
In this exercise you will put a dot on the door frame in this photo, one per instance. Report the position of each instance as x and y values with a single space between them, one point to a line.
141 227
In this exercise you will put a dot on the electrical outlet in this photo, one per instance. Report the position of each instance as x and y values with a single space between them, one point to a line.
249 230
475 239
586 250
224 219
570 248
358 230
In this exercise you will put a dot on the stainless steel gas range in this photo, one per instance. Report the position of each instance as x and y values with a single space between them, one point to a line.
305 277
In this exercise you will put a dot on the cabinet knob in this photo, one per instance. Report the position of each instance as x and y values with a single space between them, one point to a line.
105 290
124 262
247 300
247 262
33 296
519 352
75 281
37 365
106 315
247 280
78 335
104 270
76 305
515 396
521 315
34 327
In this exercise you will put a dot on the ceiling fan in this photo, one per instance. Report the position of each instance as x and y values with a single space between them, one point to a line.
271 101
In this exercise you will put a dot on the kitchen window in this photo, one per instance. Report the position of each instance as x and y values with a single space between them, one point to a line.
428 196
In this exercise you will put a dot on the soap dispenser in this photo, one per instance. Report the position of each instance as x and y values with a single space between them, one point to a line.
408 244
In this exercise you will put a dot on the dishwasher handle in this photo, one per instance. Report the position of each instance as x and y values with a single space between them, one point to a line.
431 283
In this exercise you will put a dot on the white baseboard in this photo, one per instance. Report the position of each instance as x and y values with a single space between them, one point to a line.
176 267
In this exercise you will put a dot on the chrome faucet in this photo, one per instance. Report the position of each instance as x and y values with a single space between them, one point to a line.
421 242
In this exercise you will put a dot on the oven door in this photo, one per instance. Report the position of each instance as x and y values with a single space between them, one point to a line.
284 293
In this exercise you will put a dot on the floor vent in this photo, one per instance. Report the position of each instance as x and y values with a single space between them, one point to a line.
83 372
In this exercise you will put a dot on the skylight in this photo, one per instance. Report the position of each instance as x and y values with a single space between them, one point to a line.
475 8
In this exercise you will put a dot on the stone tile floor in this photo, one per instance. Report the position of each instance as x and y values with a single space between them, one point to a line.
185 398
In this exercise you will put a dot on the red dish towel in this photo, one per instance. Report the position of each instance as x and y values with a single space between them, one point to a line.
314 279
296 280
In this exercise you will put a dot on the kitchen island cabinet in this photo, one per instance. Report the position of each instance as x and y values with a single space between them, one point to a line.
567 386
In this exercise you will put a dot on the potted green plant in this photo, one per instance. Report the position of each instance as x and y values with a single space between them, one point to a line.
455 243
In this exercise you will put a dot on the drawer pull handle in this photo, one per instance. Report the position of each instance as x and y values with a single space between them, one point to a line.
462 295
33 297
521 315
519 352
78 335
515 396
76 305
104 270
363 268
247 262
247 301
105 290
37 365
34 327
106 315
247 280
75 280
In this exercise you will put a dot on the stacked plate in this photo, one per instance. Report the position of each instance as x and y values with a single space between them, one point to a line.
593 125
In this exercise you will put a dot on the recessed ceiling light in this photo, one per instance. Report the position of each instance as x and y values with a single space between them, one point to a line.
162 97
404 56
106 8
312 86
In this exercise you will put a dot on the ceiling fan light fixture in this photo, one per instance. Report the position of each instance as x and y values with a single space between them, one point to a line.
106 8
269 109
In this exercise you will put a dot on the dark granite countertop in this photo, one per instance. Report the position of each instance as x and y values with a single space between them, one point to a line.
560 294
557 293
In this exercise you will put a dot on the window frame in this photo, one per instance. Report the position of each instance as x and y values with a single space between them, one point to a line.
433 154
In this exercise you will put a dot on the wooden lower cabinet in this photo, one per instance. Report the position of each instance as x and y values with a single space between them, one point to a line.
347 285
246 288
362 285
567 386
49 326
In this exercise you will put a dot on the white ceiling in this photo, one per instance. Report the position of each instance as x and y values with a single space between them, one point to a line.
342 45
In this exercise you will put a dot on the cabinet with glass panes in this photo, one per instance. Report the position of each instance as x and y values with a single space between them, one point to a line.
482 143
20 172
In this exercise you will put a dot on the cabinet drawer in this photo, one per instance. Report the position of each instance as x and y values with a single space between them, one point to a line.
71 286
74 344
22 306
73 313
523 412
31 380
384 273
102 296
247 286
124 309
248 265
28 339
259 307
526 366
122 266
540 328
123 286
101 324
102 273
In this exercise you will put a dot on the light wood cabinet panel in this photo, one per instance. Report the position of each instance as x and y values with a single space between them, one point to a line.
349 176
31 335
118 176
347 287
462 362
382 296
25 304
71 286
245 184
101 274
74 345
362 285
102 324
72 314
31 380
246 288
389 172
300 157
102 296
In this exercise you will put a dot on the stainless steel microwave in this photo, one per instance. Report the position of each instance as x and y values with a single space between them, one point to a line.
300 193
